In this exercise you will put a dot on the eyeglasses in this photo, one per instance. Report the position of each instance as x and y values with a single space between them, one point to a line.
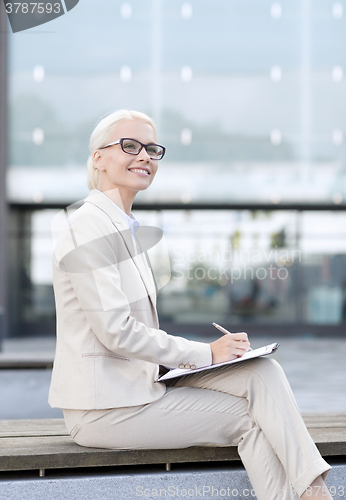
133 147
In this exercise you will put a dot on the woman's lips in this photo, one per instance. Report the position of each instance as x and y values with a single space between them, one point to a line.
141 171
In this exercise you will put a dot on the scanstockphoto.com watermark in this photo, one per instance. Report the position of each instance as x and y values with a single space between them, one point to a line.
232 265
195 492
207 491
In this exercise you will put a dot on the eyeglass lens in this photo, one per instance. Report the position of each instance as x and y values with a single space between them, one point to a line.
133 147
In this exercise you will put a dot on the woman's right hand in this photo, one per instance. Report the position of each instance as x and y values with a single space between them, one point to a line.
228 347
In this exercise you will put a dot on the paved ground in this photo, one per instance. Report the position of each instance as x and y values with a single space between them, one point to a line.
316 369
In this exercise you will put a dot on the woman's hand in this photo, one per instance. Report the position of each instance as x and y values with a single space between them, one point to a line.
228 347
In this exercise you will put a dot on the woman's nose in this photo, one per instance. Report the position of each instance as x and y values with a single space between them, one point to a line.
143 155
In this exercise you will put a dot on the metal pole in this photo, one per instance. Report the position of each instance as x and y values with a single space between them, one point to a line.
156 97
306 91
3 165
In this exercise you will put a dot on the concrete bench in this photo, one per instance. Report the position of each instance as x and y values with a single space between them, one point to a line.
45 444
76 472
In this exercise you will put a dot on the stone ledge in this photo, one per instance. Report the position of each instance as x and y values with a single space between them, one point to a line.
194 483
17 361
45 444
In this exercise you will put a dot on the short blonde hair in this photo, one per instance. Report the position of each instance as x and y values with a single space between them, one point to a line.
102 135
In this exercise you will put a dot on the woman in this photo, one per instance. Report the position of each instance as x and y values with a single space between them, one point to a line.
109 345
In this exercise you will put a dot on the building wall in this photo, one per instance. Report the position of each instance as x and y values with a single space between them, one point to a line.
249 100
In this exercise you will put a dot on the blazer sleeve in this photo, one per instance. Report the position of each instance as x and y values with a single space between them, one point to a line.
90 255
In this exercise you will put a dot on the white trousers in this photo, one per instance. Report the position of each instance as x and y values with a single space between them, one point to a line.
247 404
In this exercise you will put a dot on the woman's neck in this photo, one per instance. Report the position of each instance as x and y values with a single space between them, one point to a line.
123 200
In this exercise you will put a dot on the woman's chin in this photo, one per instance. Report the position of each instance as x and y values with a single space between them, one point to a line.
143 184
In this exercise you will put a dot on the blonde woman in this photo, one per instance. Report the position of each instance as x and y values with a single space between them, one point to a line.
110 346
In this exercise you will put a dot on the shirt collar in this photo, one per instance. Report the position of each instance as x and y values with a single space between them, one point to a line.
131 221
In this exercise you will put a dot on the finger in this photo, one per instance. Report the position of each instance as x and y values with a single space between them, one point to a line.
240 336
240 349
242 346
237 344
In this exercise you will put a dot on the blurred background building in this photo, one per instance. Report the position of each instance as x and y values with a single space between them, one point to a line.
249 99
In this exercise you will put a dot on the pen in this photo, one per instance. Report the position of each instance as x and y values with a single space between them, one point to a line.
223 330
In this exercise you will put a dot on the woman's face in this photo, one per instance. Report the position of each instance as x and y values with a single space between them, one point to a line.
124 171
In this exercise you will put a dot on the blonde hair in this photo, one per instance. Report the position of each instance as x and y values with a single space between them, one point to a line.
102 135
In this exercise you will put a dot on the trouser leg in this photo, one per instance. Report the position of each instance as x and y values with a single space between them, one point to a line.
183 417
266 473
278 426
249 404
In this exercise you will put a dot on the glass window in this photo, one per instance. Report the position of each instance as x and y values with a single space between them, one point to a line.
230 266
248 98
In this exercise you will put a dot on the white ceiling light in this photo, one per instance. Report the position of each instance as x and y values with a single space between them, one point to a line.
186 74
125 74
276 10
126 10
337 73
338 10
186 136
337 137
276 74
186 10
38 136
275 136
38 73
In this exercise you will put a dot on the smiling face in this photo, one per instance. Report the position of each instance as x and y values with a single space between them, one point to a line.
119 170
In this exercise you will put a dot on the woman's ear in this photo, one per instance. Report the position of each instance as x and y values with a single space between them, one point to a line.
97 160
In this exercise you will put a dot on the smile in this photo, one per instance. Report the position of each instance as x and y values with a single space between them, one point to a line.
139 171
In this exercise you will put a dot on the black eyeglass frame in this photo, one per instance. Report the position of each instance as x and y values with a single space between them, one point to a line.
145 146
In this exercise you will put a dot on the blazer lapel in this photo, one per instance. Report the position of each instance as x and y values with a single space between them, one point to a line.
105 204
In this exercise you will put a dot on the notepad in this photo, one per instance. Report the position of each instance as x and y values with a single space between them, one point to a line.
255 353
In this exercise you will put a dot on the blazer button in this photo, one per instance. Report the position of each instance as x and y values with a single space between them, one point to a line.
187 366
181 365
193 367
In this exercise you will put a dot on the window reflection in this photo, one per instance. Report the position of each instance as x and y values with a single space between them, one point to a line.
232 267
269 104
260 122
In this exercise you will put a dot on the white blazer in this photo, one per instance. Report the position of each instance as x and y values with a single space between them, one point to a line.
109 345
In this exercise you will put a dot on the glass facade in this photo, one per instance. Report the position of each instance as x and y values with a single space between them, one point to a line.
249 100
235 267
243 94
